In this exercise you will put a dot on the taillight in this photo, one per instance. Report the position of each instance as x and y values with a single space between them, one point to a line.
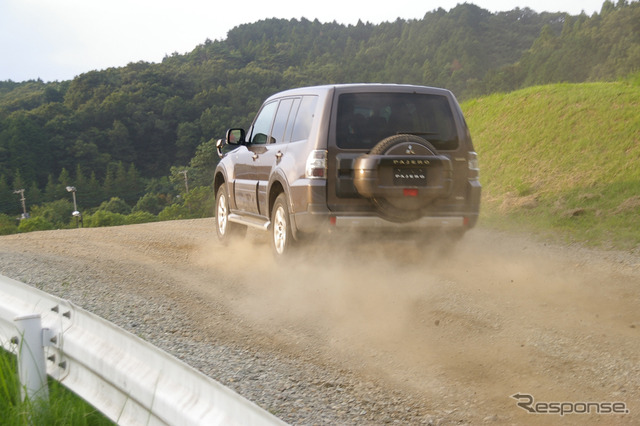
316 167
474 168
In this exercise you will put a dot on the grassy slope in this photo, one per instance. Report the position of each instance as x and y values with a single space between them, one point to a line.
562 160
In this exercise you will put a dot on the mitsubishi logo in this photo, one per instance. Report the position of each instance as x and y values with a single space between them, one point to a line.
410 151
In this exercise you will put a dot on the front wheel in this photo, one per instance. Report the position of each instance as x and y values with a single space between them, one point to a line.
224 228
281 235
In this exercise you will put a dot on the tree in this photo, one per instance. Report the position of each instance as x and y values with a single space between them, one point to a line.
151 203
51 191
204 163
18 182
57 213
33 195
80 181
8 203
8 225
188 139
93 192
120 146
115 205
133 187
64 179
22 141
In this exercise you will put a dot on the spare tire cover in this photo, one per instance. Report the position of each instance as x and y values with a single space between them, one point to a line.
402 209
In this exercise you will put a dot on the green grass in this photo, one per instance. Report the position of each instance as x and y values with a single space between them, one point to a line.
64 407
562 160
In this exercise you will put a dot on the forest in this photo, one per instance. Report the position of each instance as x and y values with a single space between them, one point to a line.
136 143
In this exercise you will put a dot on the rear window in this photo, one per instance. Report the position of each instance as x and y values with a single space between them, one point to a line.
364 119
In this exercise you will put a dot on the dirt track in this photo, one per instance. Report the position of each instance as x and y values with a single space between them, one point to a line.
450 335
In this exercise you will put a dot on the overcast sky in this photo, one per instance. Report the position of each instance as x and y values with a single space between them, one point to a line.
60 39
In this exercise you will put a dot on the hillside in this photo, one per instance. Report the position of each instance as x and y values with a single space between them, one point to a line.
156 116
562 159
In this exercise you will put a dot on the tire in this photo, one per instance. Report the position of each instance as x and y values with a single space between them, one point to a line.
400 209
225 229
387 145
281 234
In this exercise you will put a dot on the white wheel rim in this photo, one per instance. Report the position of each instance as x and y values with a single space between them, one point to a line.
222 214
279 230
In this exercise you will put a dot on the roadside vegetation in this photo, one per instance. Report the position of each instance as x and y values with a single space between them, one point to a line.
63 408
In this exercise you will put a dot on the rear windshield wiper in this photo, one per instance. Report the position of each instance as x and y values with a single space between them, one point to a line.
402 132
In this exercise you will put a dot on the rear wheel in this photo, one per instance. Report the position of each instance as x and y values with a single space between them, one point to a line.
224 228
281 235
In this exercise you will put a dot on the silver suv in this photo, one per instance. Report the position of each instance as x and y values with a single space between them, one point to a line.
380 156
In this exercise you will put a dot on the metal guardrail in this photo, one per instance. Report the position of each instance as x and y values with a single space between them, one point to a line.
129 380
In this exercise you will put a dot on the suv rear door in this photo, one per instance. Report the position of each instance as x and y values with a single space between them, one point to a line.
362 117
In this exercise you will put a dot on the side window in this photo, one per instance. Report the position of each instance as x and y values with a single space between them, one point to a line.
279 125
304 118
292 117
263 122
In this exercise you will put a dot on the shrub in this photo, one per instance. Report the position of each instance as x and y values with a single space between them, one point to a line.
58 212
199 201
140 217
175 212
104 218
7 225
115 205
151 203
37 223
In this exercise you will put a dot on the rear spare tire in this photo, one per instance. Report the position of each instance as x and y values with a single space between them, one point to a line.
402 175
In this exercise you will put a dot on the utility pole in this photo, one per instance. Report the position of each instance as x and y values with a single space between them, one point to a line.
24 206
186 181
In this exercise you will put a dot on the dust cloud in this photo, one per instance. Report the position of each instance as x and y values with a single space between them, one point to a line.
463 328
421 314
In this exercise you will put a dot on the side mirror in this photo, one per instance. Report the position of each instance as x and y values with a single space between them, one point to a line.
219 145
235 136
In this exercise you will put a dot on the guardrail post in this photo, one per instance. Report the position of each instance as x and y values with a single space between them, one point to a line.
31 363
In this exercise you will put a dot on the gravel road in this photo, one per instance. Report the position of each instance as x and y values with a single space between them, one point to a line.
367 332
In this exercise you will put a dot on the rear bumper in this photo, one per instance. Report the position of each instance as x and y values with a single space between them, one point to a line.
315 221
376 222
312 214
